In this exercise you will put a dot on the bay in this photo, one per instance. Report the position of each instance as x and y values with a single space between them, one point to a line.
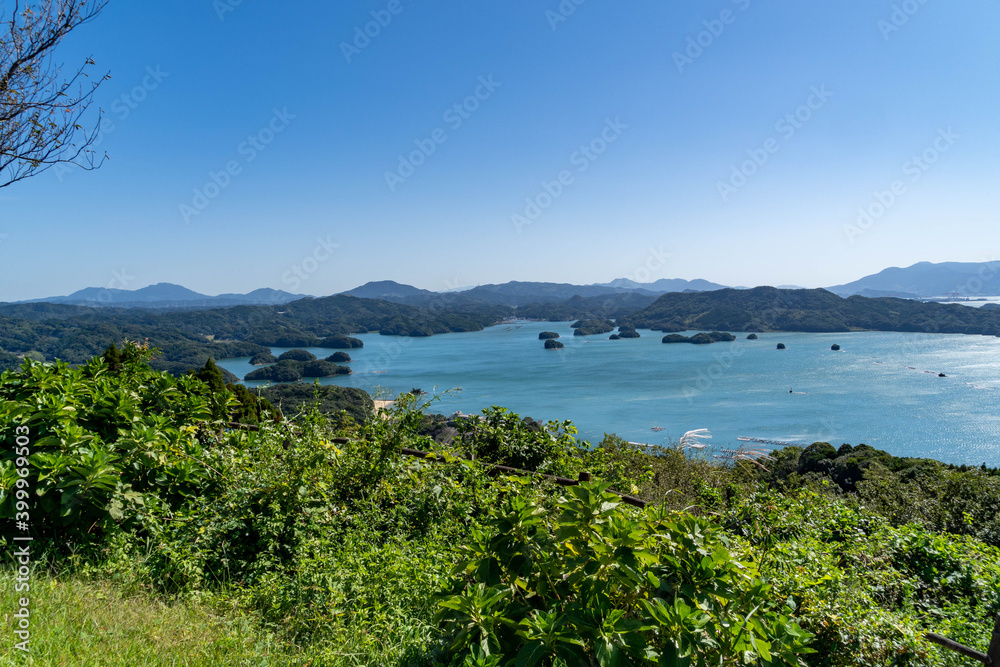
882 389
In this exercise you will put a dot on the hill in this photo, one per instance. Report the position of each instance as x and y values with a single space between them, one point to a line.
928 279
389 290
187 338
664 285
166 295
772 309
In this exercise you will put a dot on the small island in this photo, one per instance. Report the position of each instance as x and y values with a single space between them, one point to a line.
752 337
781 346
262 358
614 337
552 344
341 342
339 358
592 326
627 331
700 338
835 347
545 335
289 370
323 369
283 371
297 355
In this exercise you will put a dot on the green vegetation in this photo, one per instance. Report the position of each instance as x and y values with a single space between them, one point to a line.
700 338
545 335
591 327
188 338
552 344
345 342
283 371
627 331
262 358
297 355
339 358
164 534
323 369
289 370
330 400
613 306
771 309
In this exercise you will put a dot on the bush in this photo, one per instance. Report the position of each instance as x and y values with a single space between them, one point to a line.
586 583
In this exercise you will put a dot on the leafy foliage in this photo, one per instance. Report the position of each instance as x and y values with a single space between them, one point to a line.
318 529
585 584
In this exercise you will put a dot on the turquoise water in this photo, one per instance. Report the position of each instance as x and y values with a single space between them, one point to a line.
881 389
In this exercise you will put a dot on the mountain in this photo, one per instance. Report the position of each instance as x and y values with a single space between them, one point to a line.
108 296
516 293
816 310
168 295
926 279
607 306
511 295
389 290
664 285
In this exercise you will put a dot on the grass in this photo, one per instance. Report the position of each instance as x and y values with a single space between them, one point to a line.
93 623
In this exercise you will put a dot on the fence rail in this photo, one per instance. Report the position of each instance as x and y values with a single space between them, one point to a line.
991 658
507 470
495 469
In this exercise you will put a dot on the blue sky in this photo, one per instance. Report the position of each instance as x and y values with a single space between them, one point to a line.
259 144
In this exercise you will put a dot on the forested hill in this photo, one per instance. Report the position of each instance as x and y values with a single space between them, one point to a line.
187 339
773 309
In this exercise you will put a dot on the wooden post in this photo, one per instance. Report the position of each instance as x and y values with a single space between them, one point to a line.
993 654
584 477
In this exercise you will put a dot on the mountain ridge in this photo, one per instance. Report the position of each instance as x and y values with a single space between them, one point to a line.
928 279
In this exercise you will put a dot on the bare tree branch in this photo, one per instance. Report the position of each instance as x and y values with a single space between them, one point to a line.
41 111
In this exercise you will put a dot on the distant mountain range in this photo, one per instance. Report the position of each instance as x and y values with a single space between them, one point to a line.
517 293
926 279
168 295
513 294
665 285
921 280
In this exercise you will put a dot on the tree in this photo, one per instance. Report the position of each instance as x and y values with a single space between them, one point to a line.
41 111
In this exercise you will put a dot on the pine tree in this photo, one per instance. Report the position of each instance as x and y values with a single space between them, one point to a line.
212 376
113 358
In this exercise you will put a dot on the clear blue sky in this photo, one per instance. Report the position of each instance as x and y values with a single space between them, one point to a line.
227 70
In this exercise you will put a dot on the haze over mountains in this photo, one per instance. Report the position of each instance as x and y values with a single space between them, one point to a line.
168 295
925 279
921 280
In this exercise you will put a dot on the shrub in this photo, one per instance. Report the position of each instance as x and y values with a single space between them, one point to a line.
585 583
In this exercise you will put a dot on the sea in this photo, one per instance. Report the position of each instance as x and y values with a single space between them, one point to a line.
882 389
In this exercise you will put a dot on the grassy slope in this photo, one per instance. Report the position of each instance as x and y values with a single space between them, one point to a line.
93 623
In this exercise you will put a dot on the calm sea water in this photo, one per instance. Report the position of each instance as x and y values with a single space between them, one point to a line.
881 389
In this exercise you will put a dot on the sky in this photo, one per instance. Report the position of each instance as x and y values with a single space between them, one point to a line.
314 146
